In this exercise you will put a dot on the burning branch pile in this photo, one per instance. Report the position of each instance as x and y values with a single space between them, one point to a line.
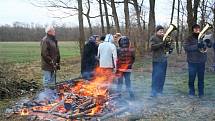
76 99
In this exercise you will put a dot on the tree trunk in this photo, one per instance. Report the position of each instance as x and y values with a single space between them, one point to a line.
101 15
151 25
195 10
88 17
182 27
139 42
106 16
115 17
203 13
177 38
136 7
173 7
189 15
81 27
127 22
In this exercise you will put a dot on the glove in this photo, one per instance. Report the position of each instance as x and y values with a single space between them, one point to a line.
57 66
208 43
114 70
201 45
170 50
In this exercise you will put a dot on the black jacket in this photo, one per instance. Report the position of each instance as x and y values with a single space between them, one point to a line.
193 53
88 60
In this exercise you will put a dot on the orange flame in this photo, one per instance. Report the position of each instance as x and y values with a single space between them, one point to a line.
96 88
24 112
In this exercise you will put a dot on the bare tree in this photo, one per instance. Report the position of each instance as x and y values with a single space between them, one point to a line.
151 25
101 16
177 37
182 25
115 16
81 27
173 7
88 17
192 13
106 16
137 9
127 21
195 10
189 15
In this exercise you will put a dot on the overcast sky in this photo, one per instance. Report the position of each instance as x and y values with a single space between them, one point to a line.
24 11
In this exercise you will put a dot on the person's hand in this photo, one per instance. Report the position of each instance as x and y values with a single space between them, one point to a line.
201 45
170 50
208 43
114 70
57 66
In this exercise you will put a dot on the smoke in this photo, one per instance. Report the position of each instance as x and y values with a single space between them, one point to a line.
47 95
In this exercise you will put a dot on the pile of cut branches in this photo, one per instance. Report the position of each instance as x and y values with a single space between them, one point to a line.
12 85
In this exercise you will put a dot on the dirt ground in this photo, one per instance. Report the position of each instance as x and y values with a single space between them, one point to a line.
174 105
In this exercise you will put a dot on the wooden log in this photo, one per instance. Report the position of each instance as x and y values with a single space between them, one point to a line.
60 103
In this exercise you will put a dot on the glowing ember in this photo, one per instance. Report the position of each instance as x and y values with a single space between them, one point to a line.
24 112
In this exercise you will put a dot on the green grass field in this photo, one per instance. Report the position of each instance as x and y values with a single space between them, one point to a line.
24 52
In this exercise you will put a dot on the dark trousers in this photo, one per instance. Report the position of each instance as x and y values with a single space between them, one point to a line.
158 77
199 70
126 76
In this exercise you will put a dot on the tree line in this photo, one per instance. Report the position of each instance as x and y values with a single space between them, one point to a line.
25 32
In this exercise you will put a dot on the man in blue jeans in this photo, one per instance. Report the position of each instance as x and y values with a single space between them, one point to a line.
159 62
50 57
196 61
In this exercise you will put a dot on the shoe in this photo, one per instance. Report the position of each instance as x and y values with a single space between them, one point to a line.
159 94
191 96
201 96
153 95
132 97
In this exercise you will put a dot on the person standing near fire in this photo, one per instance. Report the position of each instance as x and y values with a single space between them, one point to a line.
116 37
126 58
159 62
50 57
89 58
107 55
196 61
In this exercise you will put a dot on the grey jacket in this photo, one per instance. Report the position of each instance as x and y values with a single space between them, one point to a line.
193 54
158 54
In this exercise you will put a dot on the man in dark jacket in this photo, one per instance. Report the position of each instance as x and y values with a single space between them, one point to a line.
196 61
159 62
50 57
89 58
126 58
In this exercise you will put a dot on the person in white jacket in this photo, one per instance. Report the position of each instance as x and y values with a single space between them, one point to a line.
107 55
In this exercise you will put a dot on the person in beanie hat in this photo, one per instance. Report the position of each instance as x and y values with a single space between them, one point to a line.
159 62
159 27
196 61
126 58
